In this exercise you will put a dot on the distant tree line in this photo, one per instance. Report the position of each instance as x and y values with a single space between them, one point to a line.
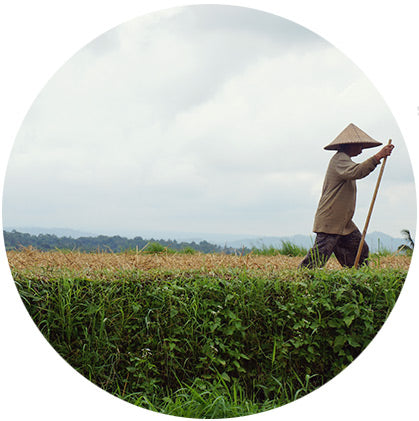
15 240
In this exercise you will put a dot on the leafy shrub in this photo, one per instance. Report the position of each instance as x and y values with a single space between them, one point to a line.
150 336
188 250
156 248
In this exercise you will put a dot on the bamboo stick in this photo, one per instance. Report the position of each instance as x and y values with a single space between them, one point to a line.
364 232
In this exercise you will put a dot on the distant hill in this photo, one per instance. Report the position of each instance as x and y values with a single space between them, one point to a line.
375 240
59 232
15 240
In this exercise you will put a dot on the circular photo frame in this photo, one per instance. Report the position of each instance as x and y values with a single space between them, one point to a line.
178 232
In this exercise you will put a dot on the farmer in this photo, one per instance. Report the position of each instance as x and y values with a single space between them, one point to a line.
335 231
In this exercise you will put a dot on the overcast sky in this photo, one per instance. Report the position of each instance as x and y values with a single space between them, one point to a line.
205 119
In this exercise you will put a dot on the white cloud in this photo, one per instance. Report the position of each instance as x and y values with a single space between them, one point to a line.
183 121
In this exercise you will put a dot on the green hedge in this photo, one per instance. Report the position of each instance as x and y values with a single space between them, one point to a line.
145 335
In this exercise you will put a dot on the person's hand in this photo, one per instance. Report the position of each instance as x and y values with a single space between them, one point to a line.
386 151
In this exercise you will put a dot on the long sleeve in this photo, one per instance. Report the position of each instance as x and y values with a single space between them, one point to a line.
349 170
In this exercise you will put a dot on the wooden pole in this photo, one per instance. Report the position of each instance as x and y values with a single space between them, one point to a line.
361 244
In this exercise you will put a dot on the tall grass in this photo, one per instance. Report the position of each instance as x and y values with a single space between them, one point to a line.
287 249
217 344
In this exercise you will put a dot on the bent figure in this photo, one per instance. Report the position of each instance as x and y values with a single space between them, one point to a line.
335 231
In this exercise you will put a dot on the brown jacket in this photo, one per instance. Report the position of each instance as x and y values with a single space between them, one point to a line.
337 203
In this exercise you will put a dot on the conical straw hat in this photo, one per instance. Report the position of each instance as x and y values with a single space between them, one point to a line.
353 134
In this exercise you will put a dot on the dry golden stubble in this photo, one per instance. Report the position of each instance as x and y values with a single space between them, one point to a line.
29 258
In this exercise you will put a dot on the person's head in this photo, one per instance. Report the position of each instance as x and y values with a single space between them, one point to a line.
351 149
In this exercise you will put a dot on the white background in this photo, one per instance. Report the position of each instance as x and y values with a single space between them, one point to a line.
37 38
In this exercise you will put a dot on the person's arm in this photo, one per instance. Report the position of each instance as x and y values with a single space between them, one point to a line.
349 170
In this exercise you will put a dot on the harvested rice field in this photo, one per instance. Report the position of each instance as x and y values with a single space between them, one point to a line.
31 259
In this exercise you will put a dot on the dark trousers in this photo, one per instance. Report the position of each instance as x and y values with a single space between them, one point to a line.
345 248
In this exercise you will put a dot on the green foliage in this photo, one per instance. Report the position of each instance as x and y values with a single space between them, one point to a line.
290 249
157 248
188 250
15 240
205 399
404 249
266 251
406 234
211 345
45 242
380 252
287 249
407 248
